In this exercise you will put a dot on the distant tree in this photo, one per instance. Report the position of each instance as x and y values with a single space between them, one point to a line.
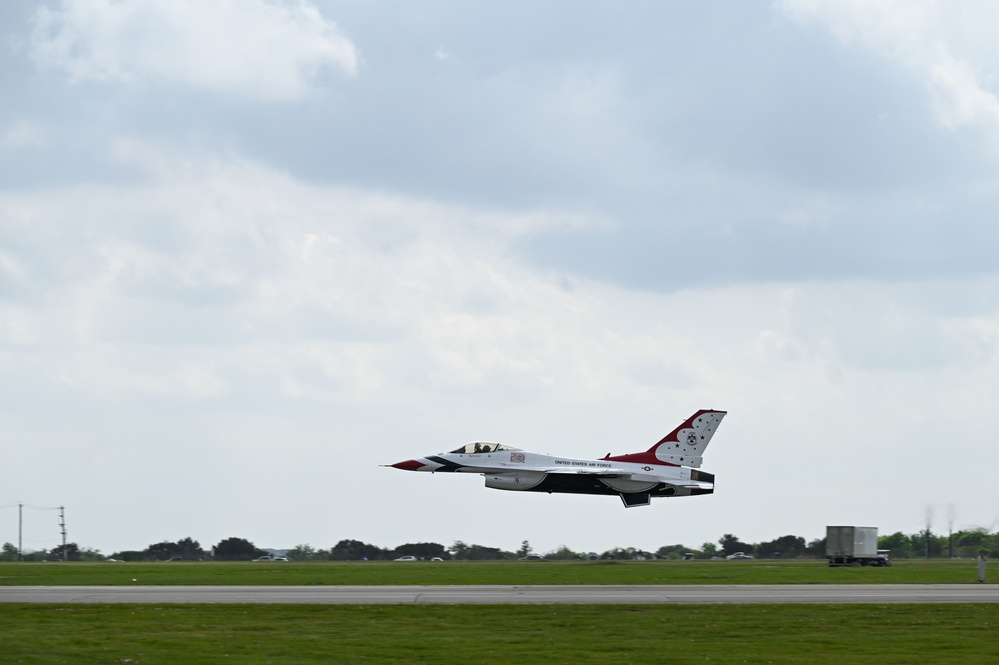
421 551
90 554
898 544
302 553
671 552
730 545
993 545
355 550
563 553
159 551
237 549
189 549
785 546
816 548
925 543
129 555
708 550
525 549
72 553
619 554
186 548
972 542
9 552
460 550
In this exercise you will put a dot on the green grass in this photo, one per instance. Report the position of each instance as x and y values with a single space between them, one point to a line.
442 635
942 571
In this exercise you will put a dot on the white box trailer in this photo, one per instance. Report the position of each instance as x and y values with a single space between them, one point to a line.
854 546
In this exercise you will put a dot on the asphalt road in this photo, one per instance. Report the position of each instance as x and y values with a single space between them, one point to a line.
503 595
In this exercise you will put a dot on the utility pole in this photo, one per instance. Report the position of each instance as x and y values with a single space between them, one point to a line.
950 531
929 519
62 525
20 532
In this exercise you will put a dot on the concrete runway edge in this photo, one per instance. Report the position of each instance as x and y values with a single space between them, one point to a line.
504 595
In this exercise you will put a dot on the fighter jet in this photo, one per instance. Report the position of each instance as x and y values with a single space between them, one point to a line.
669 468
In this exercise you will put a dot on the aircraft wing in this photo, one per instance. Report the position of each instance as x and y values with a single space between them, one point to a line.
623 474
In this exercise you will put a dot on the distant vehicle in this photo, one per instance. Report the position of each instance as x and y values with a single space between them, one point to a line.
532 557
669 468
437 558
279 558
688 556
176 558
406 558
854 546
263 558
739 555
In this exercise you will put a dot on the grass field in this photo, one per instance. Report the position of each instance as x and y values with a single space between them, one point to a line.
442 635
938 571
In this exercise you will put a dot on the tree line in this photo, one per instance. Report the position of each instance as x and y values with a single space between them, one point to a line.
968 543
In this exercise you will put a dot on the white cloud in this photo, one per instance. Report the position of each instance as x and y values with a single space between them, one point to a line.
22 135
239 253
222 311
960 93
14 325
272 321
259 48
331 294
341 294
948 44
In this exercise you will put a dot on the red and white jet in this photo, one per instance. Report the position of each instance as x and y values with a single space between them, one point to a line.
669 468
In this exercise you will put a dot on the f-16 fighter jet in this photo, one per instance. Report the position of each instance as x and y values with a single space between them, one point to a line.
669 468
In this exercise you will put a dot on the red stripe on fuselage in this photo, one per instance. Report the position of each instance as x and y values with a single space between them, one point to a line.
648 457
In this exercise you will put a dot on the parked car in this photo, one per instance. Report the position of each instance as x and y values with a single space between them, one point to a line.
406 558
437 558
532 557
739 555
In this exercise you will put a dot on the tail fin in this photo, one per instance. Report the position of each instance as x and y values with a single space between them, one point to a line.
684 446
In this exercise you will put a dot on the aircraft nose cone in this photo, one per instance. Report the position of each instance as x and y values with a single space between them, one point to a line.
408 465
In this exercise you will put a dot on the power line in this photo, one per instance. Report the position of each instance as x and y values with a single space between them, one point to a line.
29 505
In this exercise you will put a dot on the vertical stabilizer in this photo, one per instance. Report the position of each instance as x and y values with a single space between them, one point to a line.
684 446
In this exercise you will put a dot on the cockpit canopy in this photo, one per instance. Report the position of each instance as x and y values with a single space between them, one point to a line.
482 447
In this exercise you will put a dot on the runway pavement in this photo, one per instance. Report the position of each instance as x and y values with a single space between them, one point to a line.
504 595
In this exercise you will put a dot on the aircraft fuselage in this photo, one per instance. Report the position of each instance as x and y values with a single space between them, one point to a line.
636 477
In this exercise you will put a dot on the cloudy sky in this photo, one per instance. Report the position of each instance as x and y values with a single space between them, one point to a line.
250 250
